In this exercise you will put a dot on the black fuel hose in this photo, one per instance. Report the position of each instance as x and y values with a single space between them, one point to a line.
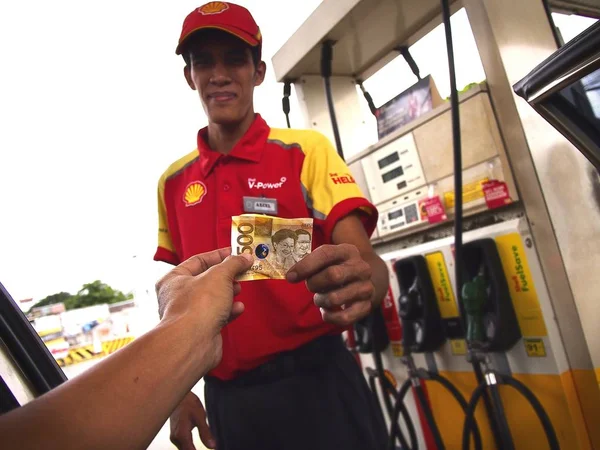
463 404
374 393
538 408
410 60
380 371
477 393
389 389
472 425
428 413
398 406
368 98
412 433
326 61
487 403
507 441
285 101
458 180
525 392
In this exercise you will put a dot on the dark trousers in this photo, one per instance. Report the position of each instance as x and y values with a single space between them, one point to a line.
323 406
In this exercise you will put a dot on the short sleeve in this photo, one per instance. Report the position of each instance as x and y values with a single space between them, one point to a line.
165 251
331 188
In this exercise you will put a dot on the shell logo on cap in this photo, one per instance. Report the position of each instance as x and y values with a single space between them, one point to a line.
194 193
213 8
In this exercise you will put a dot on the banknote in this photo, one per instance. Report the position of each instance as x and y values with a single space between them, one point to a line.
275 243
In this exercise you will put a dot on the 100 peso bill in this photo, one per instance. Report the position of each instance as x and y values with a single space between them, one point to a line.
275 243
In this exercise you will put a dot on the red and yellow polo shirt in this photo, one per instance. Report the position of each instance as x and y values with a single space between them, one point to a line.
198 195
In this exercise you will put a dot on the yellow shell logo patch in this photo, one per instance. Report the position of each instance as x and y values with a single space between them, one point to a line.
194 193
213 8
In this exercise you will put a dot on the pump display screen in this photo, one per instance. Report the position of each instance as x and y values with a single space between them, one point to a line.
388 160
395 214
389 176
411 213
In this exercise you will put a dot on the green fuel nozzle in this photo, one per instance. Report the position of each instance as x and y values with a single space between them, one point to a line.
474 298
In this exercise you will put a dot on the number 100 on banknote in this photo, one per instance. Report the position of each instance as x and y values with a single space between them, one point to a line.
276 244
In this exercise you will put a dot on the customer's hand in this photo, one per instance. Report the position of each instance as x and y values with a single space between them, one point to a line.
201 290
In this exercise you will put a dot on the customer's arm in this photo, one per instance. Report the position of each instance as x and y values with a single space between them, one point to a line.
123 401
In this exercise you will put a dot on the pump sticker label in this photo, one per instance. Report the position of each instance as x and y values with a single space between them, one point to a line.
496 194
397 349
441 283
521 286
535 348
392 322
433 210
471 192
458 346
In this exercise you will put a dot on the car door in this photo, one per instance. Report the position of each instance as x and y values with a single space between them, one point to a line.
27 368
565 90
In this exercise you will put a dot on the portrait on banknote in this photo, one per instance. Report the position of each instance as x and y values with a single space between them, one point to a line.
276 244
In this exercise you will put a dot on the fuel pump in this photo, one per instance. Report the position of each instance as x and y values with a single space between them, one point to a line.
409 171
492 327
423 332
485 300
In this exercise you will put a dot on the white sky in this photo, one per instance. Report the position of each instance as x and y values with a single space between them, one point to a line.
93 108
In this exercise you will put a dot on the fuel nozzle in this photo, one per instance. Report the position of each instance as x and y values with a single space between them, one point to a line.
474 298
410 303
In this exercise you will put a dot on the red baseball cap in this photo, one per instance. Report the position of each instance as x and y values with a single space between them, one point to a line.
225 16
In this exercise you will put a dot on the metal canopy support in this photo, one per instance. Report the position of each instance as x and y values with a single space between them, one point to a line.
367 32
364 32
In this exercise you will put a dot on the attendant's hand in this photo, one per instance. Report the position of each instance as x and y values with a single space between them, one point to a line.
340 280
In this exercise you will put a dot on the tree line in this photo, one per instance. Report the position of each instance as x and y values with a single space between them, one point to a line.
95 293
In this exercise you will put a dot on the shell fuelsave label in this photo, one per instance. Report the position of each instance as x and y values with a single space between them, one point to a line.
441 283
446 301
521 286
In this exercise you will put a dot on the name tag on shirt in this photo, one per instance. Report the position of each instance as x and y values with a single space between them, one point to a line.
260 205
